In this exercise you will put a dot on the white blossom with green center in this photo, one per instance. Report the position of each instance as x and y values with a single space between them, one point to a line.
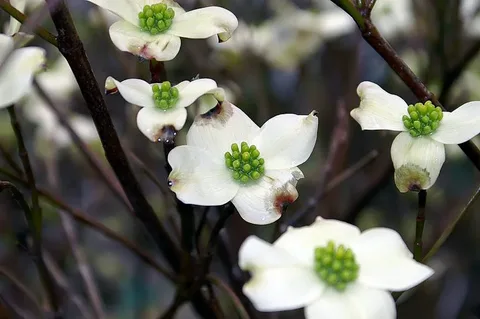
163 105
336 265
245 162
422 119
418 152
229 158
152 29
164 95
18 69
331 269
156 18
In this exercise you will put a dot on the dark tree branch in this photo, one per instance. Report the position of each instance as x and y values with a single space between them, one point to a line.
72 49
420 224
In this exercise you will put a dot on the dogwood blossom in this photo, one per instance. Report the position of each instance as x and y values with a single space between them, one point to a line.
418 152
331 269
152 28
17 69
229 158
163 104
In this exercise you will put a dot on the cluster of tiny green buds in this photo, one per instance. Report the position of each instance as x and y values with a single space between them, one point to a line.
164 95
424 119
245 162
156 18
336 266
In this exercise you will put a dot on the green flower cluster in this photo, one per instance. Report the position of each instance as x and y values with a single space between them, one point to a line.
156 18
164 95
245 162
336 266
424 119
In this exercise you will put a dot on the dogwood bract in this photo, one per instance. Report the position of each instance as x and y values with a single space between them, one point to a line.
331 269
418 152
17 69
152 28
163 104
229 158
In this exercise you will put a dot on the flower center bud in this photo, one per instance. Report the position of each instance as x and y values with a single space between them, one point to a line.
245 162
424 119
164 95
156 18
336 266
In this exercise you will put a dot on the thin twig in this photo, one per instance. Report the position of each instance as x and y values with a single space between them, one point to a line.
72 49
39 30
455 72
62 281
420 224
105 174
242 312
10 161
24 289
335 182
34 217
201 225
83 218
451 226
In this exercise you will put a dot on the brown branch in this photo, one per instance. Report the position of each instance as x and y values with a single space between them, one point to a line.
72 49
83 218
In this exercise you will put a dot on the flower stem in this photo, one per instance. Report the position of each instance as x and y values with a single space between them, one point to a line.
382 47
242 312
157 71
420 224
40 31
34 216
449 229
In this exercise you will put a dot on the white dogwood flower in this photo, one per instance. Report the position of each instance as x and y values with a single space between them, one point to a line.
17 69
163 104
332 270
229 158
152 28
418 152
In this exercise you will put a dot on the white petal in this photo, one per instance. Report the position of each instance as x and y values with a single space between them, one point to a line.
378 109
134 91
460 125
17 73
301 242
6 45
129 38
385 261
264 201
417 161
216 130
356 302
193 90
126 9
197 179
14 25
203 23
285 288
287 140
257 253
152 121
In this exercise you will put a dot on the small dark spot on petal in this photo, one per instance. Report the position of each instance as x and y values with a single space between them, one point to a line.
314 113
414 187
282 201
167 134
212 112
170 183
111 91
